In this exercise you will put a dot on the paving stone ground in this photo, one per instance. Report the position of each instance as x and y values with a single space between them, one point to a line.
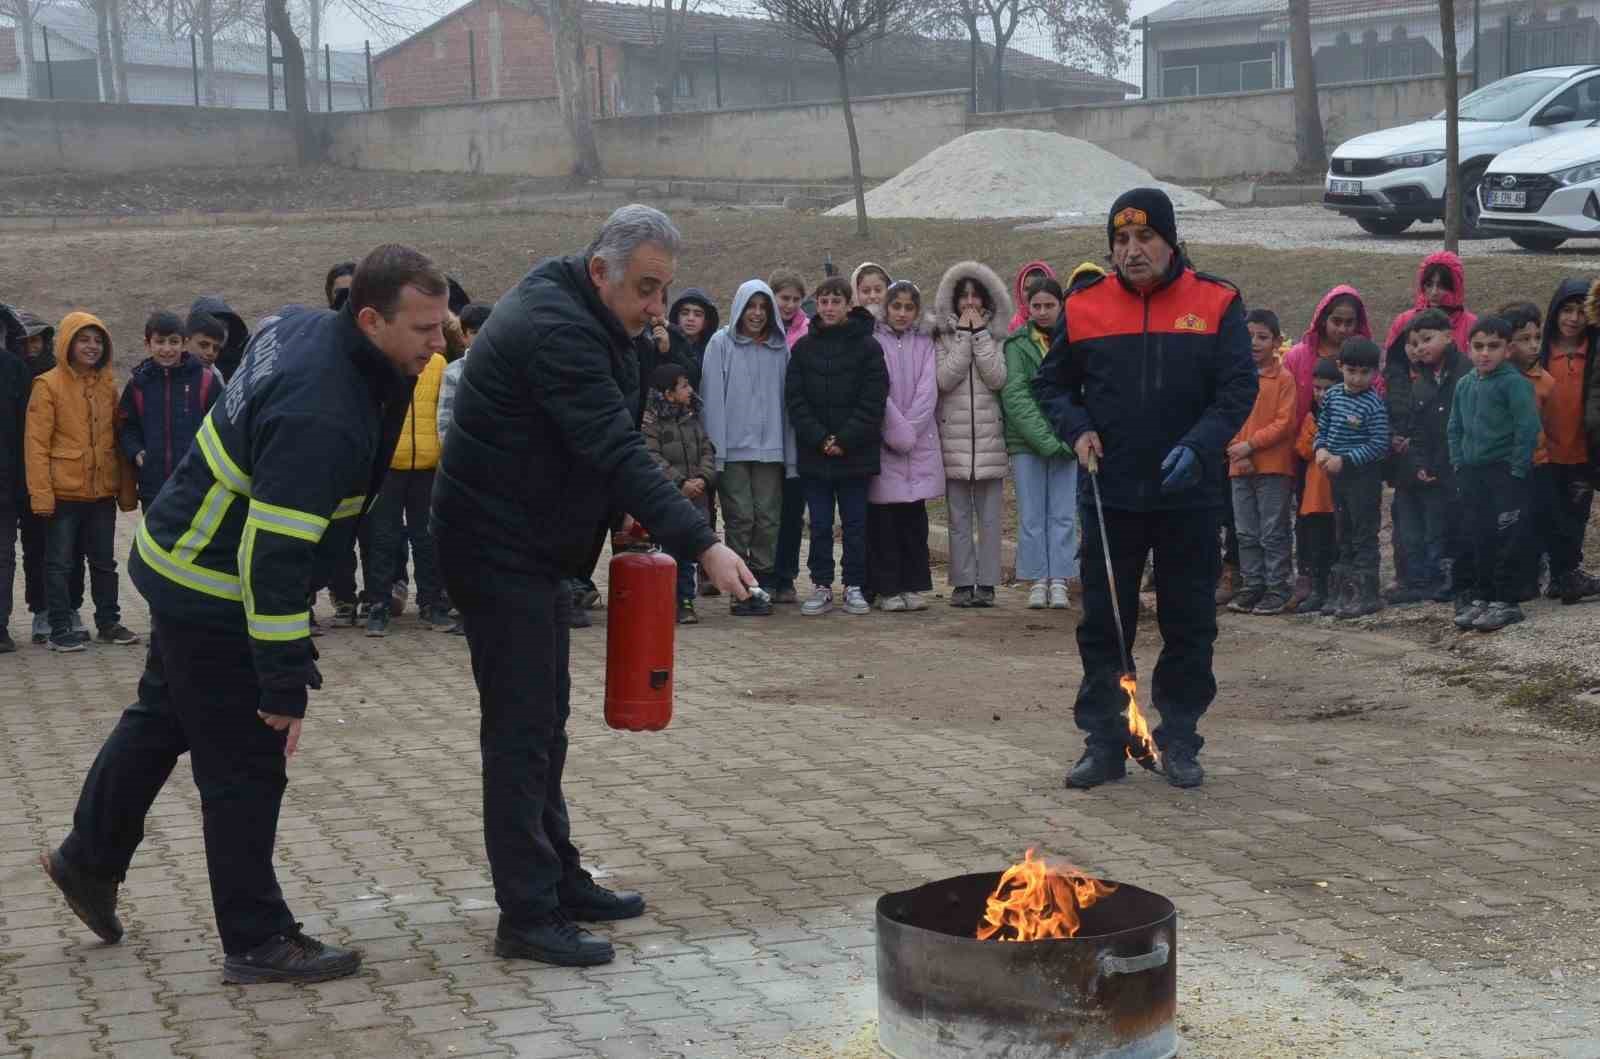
1388 884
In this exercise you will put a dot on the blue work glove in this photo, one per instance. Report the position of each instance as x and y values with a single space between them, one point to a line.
1180 470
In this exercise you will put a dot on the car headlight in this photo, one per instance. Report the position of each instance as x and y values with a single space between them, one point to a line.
1414 159
1579 174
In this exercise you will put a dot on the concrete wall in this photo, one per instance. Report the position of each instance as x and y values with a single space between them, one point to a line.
37 135
1213 137
521 136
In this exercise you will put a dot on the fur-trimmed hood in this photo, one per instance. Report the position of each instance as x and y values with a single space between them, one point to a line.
940 316
1591 304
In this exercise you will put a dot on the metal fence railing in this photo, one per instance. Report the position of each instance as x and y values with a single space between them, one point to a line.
1209 47
62 56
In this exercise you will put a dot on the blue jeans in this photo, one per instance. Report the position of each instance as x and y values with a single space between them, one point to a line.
1047 516
85 528
851 496
1422 522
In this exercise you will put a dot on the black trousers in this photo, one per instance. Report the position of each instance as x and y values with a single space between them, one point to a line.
517 632
1358 512
79 529
1186 572
897 549
401 516
198 695
1318 544
1567 496
791 530
1495 504
342 582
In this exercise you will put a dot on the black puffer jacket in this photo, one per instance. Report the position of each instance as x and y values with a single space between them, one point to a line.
544 450
837 385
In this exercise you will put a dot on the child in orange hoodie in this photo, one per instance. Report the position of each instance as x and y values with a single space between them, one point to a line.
1318 546
1261 472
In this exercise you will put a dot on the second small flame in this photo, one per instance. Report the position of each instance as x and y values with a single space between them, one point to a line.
1141 746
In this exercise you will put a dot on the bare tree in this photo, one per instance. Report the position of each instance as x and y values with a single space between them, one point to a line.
1310 147
294 77
23 13
1091 32
1452 126
841 28
572 84
119 65
669 47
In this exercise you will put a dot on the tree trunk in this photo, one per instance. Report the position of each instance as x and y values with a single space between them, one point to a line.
572 80
669 56
1452 127
1001 38
102 50
855 146
119 68
1311 149
972 60
314 10
208 52
30 79
294 78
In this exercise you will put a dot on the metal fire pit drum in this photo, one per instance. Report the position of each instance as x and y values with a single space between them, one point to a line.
1109 993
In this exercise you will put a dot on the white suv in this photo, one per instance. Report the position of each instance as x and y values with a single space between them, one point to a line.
1542 194
1391 179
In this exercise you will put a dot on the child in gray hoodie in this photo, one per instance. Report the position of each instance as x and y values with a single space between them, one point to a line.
741 385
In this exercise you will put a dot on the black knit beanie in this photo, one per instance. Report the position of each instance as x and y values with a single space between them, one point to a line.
1144 206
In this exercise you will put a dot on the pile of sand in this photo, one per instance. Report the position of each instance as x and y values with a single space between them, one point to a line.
1015 173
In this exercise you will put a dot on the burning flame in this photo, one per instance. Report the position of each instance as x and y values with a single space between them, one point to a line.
1034 900
1141 747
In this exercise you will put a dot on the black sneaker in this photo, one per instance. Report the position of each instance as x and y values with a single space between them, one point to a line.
1270 604
1468 611
1096 767
1497 616
378 620
586 900
555 939
118 634
686 614
291 957
344 615
7 644
1182 766
754 607
67 642
433 615
92 900
963 597
984 597
1245 602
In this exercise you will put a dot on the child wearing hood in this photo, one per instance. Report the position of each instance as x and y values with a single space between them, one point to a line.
1021 290
836 391
72 411
675 434
1045 467
967 321
1567 351
910 466
238 334
1441 284
690 324
743 394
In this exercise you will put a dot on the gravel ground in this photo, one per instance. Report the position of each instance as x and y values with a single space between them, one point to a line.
1316 228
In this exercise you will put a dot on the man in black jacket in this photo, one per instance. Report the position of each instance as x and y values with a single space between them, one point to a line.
1149 381
15 383
544 455
282 466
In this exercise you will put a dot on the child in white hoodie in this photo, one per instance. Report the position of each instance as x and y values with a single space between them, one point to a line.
741 385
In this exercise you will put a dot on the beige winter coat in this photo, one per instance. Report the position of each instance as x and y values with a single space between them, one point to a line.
971 372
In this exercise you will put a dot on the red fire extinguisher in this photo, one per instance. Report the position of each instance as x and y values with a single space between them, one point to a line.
641 623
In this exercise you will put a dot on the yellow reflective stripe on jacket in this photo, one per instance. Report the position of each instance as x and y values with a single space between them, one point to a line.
275 627
187 574
223 469
203 528
287 521
349 507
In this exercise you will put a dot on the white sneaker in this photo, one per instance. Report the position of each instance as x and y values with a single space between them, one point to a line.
855 602
821 602
891 604
915 601
1037 594
1059 600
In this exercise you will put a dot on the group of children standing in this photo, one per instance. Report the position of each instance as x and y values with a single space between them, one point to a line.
1482 425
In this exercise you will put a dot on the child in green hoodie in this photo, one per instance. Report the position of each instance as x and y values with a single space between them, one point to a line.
1494 427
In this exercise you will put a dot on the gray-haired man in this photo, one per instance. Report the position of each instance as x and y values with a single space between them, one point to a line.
544 456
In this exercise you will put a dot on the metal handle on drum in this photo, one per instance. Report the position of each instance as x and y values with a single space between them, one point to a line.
1156 957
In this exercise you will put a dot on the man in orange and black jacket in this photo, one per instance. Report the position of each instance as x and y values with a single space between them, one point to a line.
1150 378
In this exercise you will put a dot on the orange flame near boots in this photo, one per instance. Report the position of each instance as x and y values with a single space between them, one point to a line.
1141 747
1034 901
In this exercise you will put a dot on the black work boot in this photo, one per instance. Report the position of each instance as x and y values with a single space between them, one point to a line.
290 957
555 939
93 900
1181 763
1577 586
1097 766
1318 598
1337 585
1362 598
585 900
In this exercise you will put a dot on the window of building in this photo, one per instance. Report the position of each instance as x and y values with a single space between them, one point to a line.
1209 71
1180 81
1257 75
683 88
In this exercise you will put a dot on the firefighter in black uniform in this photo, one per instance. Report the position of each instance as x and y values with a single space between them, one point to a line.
1149 378
226 555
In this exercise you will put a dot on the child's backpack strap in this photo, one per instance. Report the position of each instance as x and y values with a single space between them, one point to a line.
138 400
205 388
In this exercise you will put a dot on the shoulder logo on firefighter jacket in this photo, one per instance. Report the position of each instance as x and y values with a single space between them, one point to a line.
1189 322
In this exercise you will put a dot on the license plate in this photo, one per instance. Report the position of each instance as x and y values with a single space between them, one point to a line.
1510 200
1344 187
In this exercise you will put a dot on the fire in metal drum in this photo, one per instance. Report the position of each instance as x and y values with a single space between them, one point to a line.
1111 992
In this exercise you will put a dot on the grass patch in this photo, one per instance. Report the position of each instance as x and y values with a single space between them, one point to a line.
1553 697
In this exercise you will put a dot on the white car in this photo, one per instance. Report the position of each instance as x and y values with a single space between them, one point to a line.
1389 180
1542 194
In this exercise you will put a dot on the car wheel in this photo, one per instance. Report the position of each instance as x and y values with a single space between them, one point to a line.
1542 243
1471 208
1384 225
